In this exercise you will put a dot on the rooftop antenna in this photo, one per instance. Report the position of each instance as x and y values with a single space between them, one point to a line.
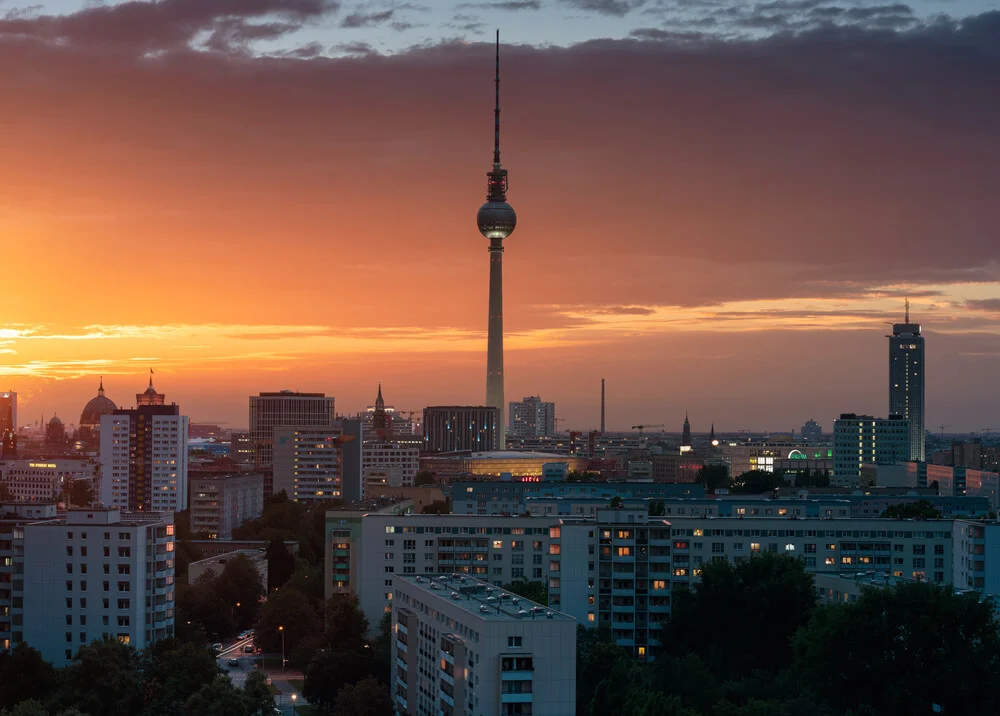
496 112
907 302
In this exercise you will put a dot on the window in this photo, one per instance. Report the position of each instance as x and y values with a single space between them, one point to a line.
755 546
659 584
498 544
513 642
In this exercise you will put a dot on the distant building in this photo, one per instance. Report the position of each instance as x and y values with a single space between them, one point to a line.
89 430
308 462
907 371
532 417
860 439
241 448
284 409
144 458
65 563
402 454
460 427
676 468
686 434
221 503
461 644
812 432
967 453
977 556
46 480
515 465
55 433
8 411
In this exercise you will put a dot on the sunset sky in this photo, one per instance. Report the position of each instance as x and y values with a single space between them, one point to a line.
720 204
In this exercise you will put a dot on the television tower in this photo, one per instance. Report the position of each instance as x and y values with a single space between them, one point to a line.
496 220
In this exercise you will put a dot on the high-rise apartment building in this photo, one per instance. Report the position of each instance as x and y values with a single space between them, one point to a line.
8 411
241 448
532 417
812 432
402 453
144 459
97 573
13 518
283 409
221 503
462 646
863 439
309 462
906 381
455 428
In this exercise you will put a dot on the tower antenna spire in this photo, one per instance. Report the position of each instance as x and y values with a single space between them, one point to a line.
907 311
496 112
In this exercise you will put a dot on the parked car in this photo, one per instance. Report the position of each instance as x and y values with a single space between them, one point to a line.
216 647
234 661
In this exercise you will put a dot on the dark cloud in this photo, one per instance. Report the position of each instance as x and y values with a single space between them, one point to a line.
991 305
166 24
510 5
360 19
619 8
622 310
354 48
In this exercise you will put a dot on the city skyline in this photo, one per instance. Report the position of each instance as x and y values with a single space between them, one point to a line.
740 226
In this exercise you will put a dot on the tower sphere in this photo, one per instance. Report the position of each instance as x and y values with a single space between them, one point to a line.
496 219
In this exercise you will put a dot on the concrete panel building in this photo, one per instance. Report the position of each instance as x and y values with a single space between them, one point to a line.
221 503
462 646
532 417
96 574
861 439
452 428
44 480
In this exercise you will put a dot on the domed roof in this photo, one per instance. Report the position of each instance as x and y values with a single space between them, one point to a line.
97 407
55 420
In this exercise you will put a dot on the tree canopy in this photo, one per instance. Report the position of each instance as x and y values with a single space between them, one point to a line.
535 591
921 510
713 477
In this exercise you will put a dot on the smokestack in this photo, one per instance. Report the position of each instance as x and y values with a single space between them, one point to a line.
602 406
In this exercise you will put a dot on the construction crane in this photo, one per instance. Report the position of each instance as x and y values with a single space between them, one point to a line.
640 428
942 427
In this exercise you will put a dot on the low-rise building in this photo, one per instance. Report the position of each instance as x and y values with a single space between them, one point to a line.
44 480
216 564
399 456
499 497
460 645
977 556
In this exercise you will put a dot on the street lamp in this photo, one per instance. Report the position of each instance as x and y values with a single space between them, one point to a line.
282 630
294 696
235 607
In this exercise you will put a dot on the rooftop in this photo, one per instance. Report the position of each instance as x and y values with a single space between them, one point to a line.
479 598
504 455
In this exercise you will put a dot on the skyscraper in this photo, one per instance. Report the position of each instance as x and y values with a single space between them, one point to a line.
496 220
8 411
906 380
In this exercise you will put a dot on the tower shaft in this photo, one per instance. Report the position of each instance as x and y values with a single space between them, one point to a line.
494 350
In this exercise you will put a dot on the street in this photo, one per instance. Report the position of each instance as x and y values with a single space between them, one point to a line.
248 662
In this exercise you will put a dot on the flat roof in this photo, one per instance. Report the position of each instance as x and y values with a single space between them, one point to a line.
481 599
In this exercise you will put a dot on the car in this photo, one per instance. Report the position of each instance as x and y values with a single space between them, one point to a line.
248 649
216 647
244 635
234 661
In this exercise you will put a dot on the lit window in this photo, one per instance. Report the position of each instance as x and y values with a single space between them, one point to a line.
755 546
590 617
789 547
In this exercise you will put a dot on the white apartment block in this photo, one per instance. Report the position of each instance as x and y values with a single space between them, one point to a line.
144 459
977 556
220 504
462 646
377 457
42 480
494 549
309 462
95 574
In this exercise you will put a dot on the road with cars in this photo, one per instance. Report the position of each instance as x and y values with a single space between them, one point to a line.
237 659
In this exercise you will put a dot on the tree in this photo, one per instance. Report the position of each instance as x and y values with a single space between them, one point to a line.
438 507
535 591
80 493
903 650
102 679
346 624
657 508
280 564
31 707
24 675
756 482
616 503
741 617
920 510
171 671
713 477
258 693
330 670
596 655
368 697
219 698
5 494
587 476
424 477
292 610
240 586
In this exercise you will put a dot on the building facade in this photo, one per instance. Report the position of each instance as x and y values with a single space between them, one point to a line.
906 382
46 480
285 408
532 417
97 574
144 459
458 428
308 462
397 458
863 439
13 518
461 646
221 503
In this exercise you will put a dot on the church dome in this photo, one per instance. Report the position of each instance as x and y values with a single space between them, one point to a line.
97 407
55 420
